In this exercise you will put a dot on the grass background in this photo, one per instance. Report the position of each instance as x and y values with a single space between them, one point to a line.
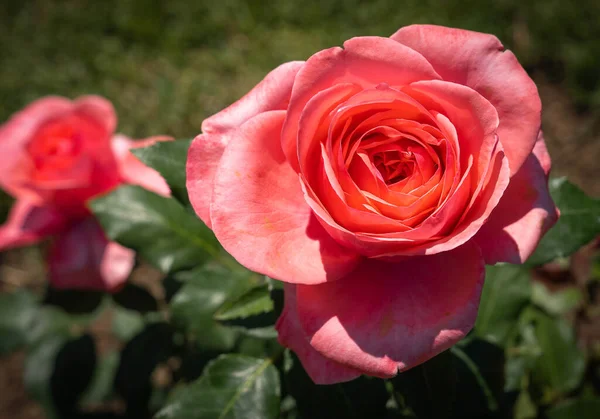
166 65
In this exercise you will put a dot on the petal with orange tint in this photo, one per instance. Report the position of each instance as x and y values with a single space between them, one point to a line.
364 61
479 61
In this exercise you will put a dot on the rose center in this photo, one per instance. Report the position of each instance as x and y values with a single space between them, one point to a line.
394 165
54 146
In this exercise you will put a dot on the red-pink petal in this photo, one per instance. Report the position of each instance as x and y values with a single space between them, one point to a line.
17 132
27 224
525 212
203 159
364 61
388 317
259 214
83 258
480 62
132 170
271 94
290 334
97 109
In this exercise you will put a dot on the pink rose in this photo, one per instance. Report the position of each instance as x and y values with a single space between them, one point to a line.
376 180
58 154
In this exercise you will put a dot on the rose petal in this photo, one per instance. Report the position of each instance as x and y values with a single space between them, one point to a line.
17 132
364 61
203 159
271 94
27 224
132 170
525 212
480 62
259 215
389 317
99 110
82 258
291 335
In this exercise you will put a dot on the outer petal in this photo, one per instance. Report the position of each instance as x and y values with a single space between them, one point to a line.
135 172
291 335
525 212
365 61
271 94
82 258
16 133
259 214
203 159
479 61
98 109
389 317
28 224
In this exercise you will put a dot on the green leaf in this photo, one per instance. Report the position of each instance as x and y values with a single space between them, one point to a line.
49 321
126 323
556 303
255 301
168 158
525 408
193 307
522 357
38 369
561 365
506 292
101 387
364 397
17 311
160 229
582 408
578 224
231 387
251 313
429 388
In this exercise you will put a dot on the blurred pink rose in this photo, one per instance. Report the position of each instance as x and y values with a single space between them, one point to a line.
376 180
56 155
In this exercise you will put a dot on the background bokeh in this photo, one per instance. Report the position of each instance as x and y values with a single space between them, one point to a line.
166 65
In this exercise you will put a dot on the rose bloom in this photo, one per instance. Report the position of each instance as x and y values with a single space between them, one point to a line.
56 155
376 180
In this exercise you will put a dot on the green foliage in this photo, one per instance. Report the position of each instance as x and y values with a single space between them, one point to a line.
17 310
160 229
578 224
168 158
583 408
561 364
232 387
506 292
